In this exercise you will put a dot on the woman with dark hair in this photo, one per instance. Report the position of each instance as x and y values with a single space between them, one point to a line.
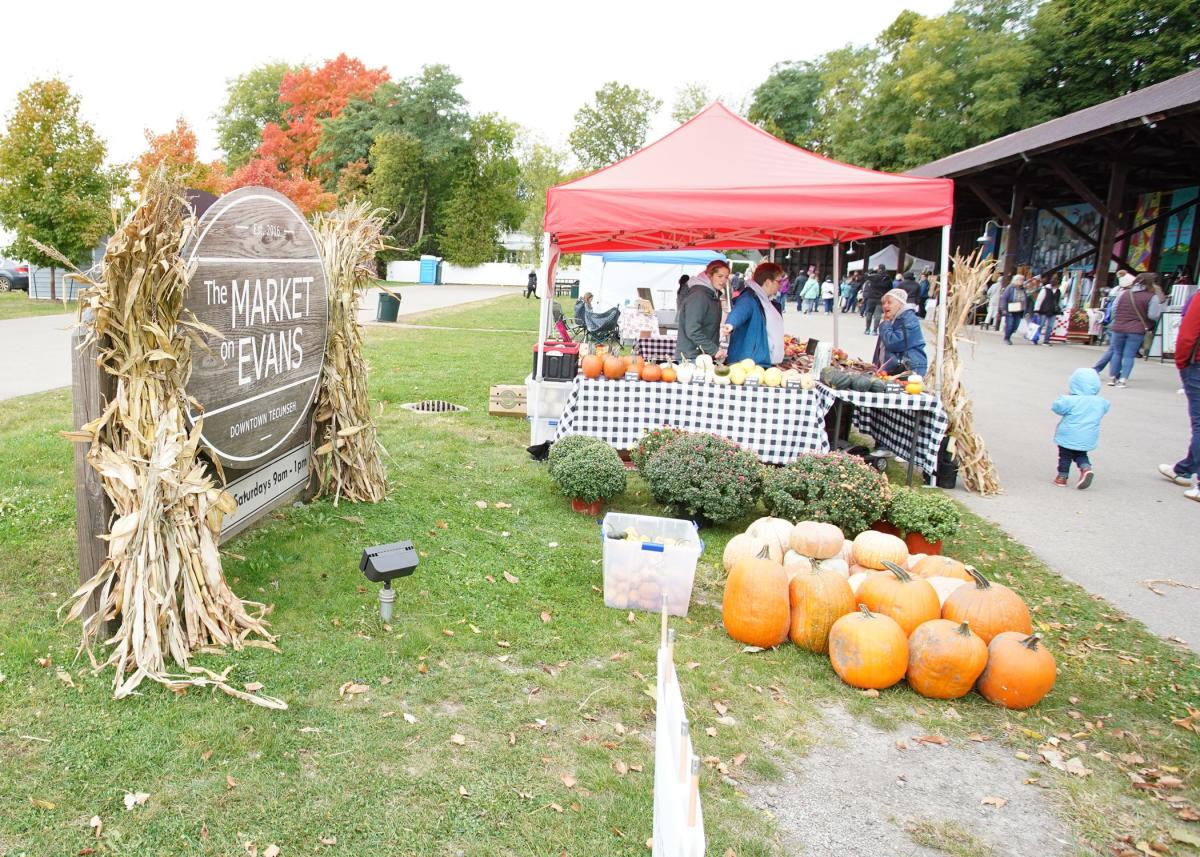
700 312
755 324
1135 313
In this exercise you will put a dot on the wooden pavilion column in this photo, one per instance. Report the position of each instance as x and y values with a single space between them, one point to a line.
1108 229
1012 238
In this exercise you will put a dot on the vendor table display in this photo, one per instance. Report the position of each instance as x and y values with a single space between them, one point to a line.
657 349
911 426
777 424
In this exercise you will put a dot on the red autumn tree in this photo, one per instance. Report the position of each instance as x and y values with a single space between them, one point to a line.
311 96
177 150
308 194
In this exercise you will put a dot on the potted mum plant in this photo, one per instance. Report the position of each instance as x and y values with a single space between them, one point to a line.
926 516
589 475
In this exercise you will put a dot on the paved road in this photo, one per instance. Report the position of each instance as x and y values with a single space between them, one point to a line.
35 353
1131 525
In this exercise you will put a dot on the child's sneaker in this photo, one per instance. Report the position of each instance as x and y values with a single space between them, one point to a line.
1060 480
1085 478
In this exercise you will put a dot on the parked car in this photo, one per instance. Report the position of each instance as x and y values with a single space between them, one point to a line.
13 276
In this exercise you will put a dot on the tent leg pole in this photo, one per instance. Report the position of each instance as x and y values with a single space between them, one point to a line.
544 314
943 283
837 287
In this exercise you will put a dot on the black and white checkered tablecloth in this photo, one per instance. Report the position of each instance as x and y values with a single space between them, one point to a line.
656 349
778 425
889 419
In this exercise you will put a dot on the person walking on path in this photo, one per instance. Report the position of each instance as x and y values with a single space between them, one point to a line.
531 284
912 288
700 314
1134 313
877 286
1047 309
1186 471
1078 431
1012 306
780 299
810 294
847 293
993 306
828 293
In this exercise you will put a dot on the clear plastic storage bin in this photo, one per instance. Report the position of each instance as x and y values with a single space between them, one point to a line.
637 572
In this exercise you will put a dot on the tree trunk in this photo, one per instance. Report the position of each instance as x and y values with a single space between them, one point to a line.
421 226
52 295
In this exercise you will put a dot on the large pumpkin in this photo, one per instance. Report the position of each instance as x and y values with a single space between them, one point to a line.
774 531
817 540
818 599
745 546
941 566
868 650
1020 670
755 609
896 593
614 367
873 549
990 608
943 586
944 659
795 564
592 365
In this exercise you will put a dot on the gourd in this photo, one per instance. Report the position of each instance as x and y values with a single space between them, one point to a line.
943 586
755 609
816 539
651 372
907 599
818 599
807 381
868 650
774 531
745 546
941 566
944 659
592 365
1020 671
991 608
614 367
873 549
704 363
861 383
684 372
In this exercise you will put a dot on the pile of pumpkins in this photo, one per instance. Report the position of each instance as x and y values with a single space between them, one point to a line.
615 368
882 615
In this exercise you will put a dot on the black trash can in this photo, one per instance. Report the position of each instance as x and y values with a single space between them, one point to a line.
947 467
389 307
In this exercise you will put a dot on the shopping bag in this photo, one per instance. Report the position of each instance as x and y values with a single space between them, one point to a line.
1024 327
1032 329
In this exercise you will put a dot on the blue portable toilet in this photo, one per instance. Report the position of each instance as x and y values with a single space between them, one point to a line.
431 271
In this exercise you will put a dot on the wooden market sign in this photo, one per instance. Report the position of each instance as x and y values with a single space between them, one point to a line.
259 282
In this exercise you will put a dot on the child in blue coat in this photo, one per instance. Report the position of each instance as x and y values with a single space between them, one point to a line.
1079 429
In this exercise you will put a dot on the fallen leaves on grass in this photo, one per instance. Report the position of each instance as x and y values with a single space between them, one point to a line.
64 677
511 578
351 688
460 740
481 504
230 782
992 800
41 803
96 825
546 617
1058 760
133 799
408 718
568 780
1191 722
932 739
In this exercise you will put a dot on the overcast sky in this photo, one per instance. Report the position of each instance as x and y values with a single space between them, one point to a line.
138 65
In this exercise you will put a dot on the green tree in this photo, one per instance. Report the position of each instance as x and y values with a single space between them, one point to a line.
54 187
1089 51
846 80
614 126
251 101
542 167
484 197
690 99
397 182
785 104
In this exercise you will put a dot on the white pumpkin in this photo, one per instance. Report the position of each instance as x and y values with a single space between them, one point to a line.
776 532
704 363
856 580
746 546
793 558
817 539
684 372
872 547
835 564
915 558
943 586
848 550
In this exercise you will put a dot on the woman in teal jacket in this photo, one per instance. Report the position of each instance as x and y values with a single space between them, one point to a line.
755 325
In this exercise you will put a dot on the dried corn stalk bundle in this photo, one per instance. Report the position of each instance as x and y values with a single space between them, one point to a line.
345 460
966 287
162 580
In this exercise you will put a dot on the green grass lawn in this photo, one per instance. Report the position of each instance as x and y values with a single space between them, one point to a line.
19 305
546 686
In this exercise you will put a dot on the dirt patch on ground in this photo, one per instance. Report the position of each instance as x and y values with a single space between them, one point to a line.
857 793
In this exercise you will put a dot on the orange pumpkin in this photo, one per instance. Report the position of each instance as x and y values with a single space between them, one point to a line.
614 367
669 374
873 549
817 539
896 593
1020 670
592 366
651 372
868 650
944 659
990 608
755 608
941 566
818 599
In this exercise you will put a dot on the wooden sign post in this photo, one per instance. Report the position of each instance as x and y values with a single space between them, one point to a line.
257 280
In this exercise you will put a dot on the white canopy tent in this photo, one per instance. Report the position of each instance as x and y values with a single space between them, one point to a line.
614 278
889 257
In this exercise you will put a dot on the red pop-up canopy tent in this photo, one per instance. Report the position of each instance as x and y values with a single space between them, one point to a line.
718 181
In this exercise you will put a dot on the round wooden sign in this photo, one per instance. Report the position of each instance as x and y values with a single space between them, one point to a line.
258 281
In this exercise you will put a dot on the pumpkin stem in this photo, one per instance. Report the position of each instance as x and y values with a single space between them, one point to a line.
900 573
765 552
1031 642
981 582
965 629
867 613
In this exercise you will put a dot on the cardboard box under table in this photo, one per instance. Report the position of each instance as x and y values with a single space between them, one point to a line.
639 571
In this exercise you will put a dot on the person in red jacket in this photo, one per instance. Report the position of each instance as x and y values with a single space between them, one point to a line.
1186 471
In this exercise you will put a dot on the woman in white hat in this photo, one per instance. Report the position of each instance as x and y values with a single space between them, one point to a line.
901 344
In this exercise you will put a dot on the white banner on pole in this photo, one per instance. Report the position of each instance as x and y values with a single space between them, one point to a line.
678 818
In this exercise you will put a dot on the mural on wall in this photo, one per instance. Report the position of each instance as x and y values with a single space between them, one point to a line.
1177 231
1054 243
1141 243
